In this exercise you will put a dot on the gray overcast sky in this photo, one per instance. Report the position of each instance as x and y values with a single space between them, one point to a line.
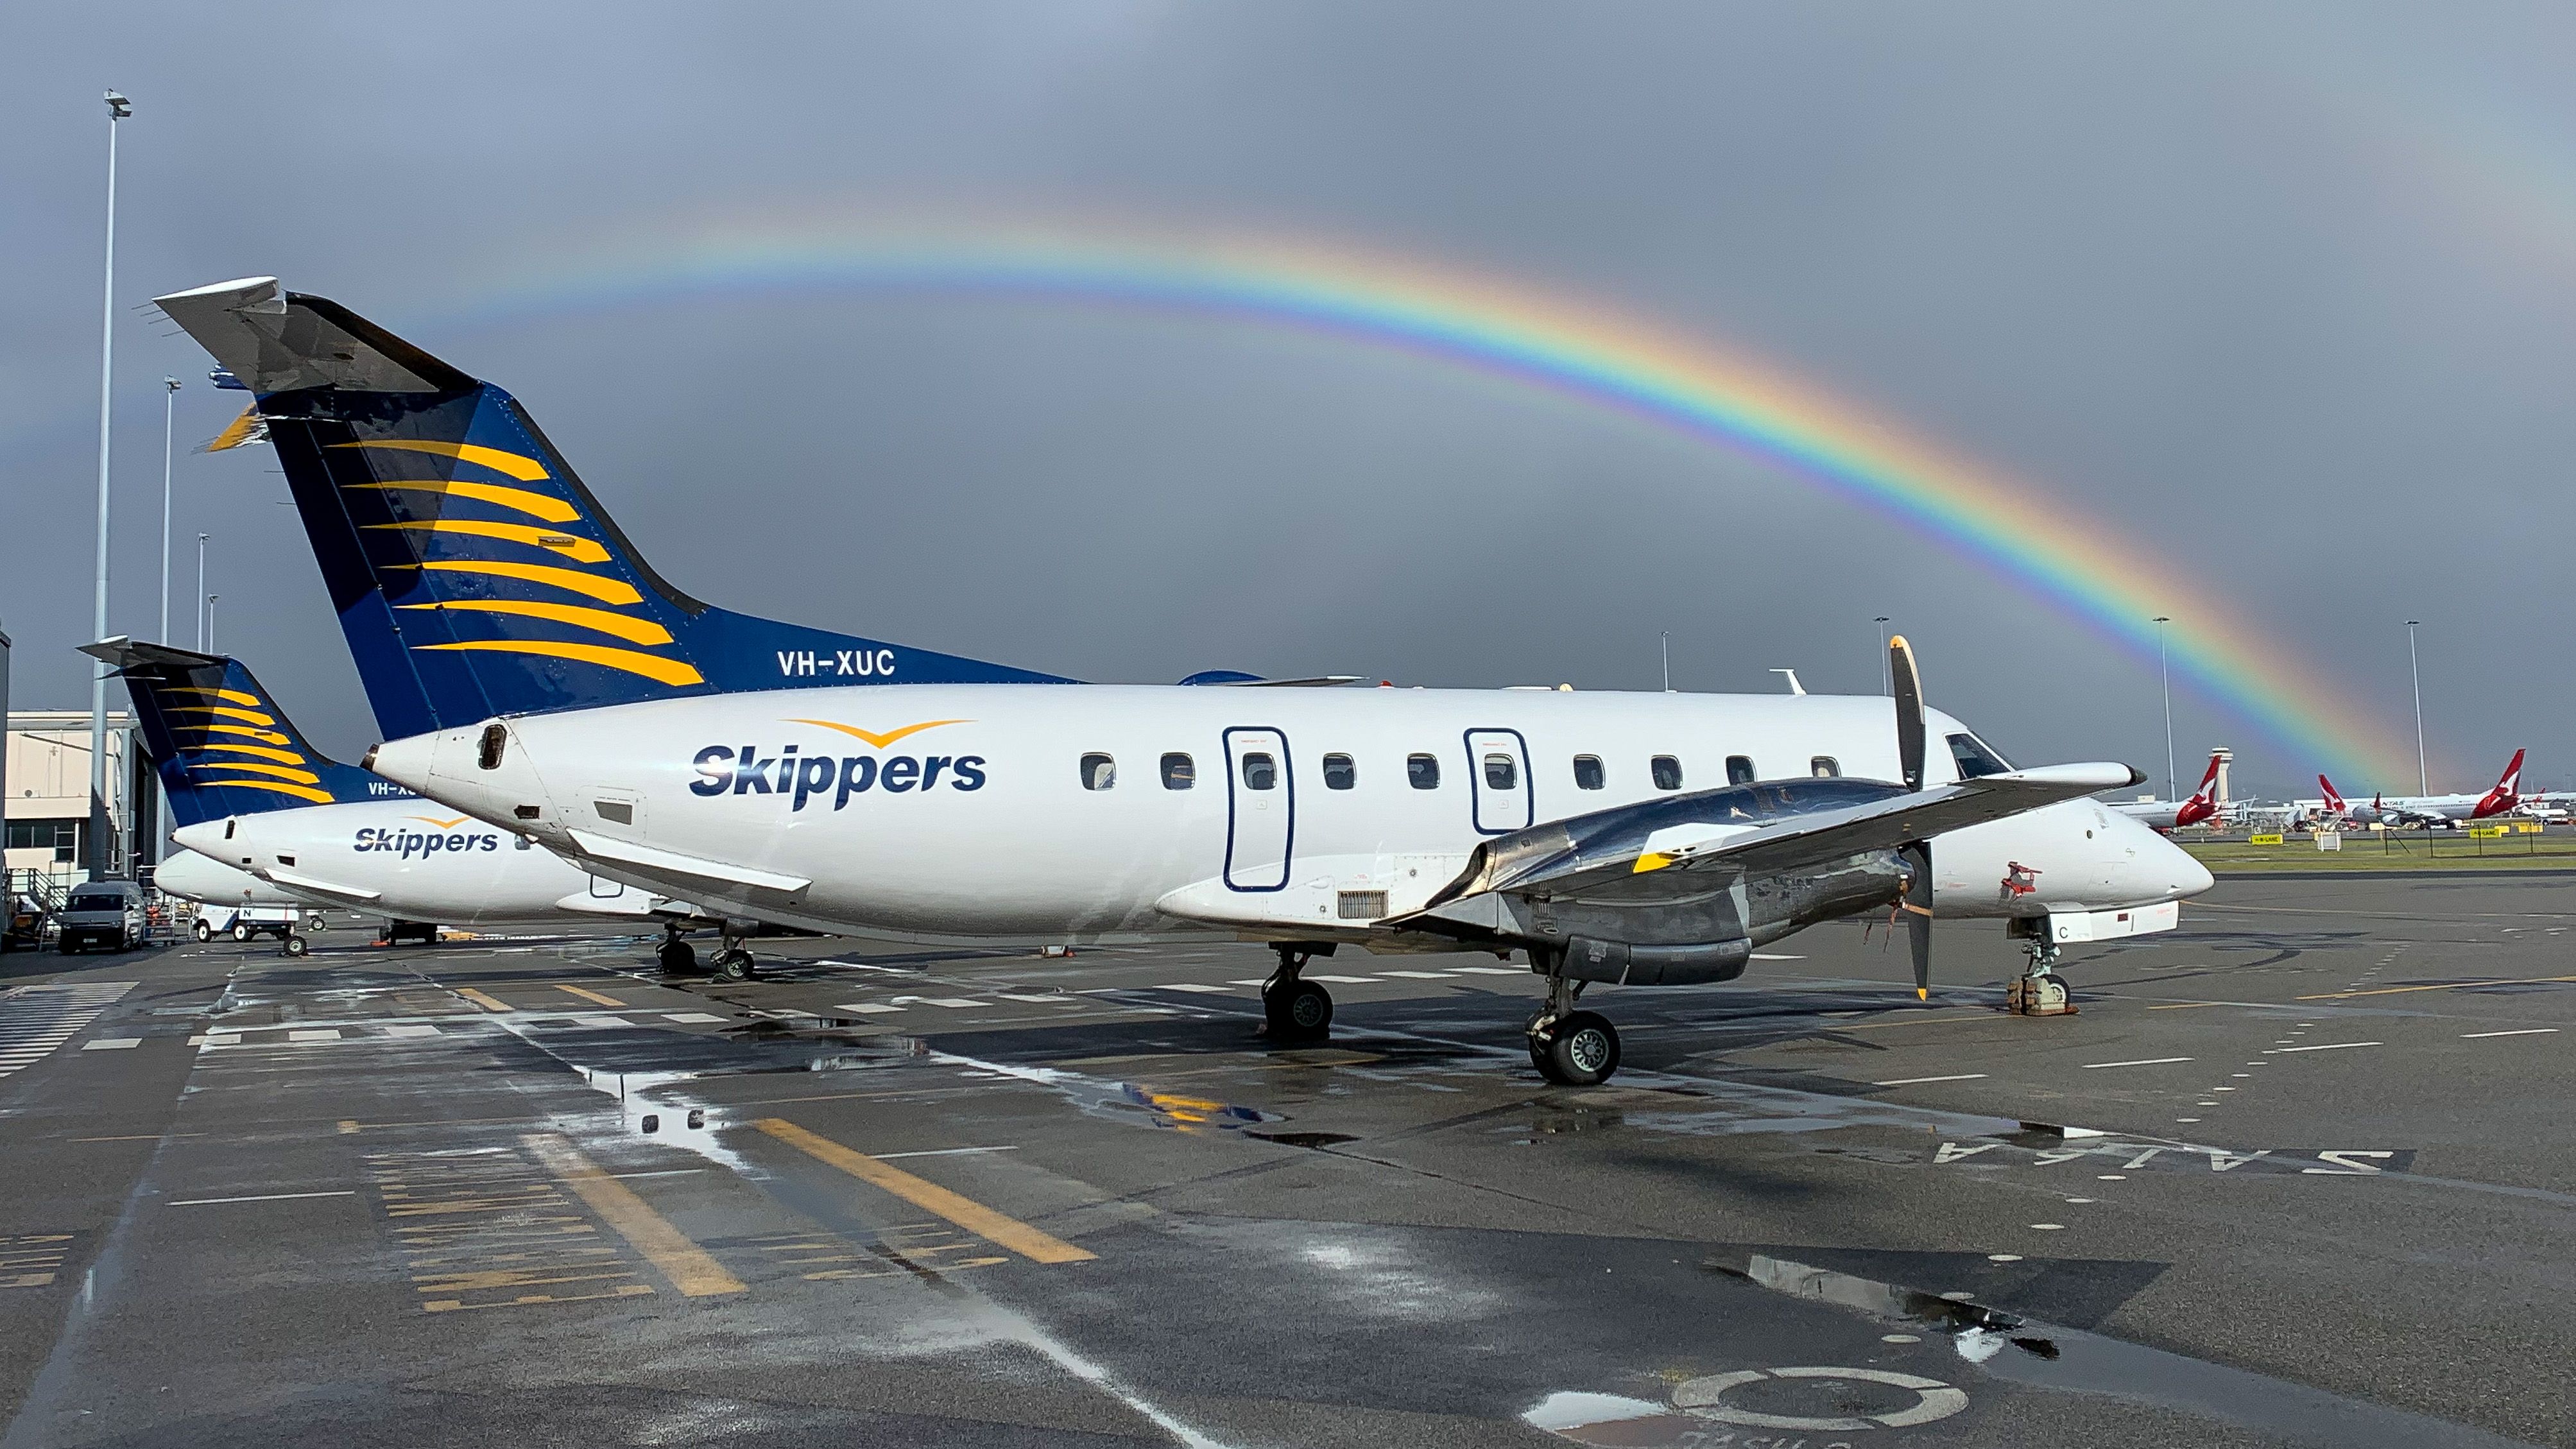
2278 294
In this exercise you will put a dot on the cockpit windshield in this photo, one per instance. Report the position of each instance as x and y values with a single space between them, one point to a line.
1975 760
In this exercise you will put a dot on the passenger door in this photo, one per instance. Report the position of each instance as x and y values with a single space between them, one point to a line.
1498 781
1260 809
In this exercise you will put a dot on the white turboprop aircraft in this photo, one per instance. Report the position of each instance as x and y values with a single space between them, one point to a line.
529 668
193 877
267 819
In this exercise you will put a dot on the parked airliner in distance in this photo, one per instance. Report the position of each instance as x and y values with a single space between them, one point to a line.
251 796
530 669
2199 809
2438 812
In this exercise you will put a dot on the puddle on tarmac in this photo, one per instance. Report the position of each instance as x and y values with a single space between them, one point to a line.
1979 1332
1121 1101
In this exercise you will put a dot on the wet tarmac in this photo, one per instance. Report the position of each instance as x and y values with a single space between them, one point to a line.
2299 1173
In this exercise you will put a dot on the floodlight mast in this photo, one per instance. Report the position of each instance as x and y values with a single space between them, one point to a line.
100 847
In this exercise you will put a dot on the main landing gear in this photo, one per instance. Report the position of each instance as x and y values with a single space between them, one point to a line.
1571 1048
733 963
1294 1009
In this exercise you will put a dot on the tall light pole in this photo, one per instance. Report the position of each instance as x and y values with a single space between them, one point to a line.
100 851
2166 670
1881 622
2423 783
169 419
201 591
210 624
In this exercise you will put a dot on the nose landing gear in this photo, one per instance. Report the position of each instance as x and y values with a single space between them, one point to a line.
2038 991
1571 1048
677 956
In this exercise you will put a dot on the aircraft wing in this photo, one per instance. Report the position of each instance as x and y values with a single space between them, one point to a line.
1667 849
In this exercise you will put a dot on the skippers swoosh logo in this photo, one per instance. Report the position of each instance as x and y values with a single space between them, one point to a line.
880 741
441 824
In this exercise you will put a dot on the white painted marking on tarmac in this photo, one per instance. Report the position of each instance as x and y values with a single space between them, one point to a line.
2145 1062
1342 980
1489 971
1419 975
263 1197
412 1029
113 1044
1918 1081
2526 1031
869 1008
2048 1227
316 1034
942 1151
953 1003
599 1018
2331 1046
2003 1257
689 1018
1034 1000
1767 956
1198 986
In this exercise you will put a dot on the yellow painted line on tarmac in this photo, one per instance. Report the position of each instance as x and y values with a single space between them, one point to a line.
2437 986
965 1212
689 1267
349 1127
481 1000
591 996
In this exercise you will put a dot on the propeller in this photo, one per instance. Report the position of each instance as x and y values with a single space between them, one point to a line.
1916 906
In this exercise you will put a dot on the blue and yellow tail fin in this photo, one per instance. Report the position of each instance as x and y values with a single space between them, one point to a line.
222 746
473 573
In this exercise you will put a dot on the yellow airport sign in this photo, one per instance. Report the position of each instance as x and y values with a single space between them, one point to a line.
2486 832
2263 840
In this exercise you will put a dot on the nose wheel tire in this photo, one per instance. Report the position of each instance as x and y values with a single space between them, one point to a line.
1298 1011
678 957
735 965
1578 1049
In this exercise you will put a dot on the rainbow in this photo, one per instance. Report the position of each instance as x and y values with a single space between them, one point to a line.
1528 337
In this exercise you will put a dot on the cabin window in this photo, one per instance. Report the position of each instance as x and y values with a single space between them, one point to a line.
1587 772
1260 772
1825 767
1340 773
1502 772
1099 772
1975 760
1423 771
1739 770
1668 773
1179 773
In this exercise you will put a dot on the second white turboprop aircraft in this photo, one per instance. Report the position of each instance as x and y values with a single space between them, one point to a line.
529 668
255 802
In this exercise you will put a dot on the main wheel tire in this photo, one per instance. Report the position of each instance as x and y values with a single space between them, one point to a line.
735 965
1579 1049
1302 1012
296 946
205 932
678 957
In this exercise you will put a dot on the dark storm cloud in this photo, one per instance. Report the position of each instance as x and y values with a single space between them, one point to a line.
2284 298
